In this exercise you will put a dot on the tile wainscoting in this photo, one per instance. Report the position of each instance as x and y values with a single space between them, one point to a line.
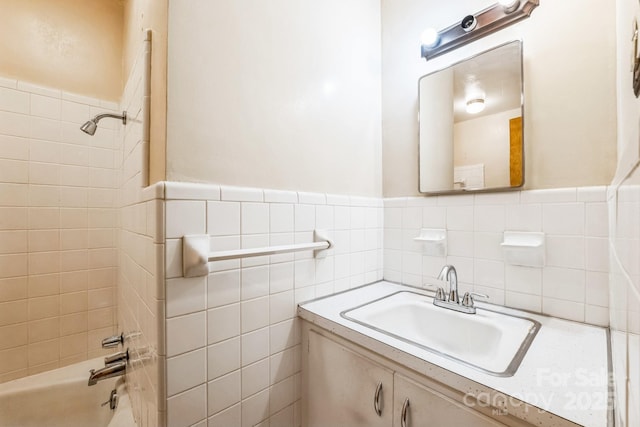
232 338
239 363
232 349
573 284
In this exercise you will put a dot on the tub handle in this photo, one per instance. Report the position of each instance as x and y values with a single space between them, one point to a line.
113 400
113 341
122 356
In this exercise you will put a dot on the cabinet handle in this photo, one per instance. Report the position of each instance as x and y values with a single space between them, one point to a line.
376 399
405 413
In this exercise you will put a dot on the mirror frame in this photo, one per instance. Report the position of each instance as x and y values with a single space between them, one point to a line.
522 109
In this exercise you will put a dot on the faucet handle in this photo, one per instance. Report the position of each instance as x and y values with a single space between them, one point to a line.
467 299
122 356
113 400
439 291
113 341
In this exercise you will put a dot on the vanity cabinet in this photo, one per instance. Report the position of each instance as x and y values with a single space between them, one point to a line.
346 389
415 405
344 385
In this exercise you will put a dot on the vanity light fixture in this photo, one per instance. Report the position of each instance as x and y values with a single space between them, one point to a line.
473 27
474 106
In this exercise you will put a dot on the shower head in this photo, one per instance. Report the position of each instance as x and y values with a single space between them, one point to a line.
90 126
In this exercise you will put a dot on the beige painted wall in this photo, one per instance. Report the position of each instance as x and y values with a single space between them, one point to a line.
72 45
628 105
570 97
282 95
140 15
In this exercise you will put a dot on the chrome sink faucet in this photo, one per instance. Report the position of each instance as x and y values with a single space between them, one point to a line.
451 300
449 274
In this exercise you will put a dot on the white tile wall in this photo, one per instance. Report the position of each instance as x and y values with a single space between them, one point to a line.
571 285
141 283
57 263
248 326
187 408
624 296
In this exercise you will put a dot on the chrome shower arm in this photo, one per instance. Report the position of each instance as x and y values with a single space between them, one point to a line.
122 117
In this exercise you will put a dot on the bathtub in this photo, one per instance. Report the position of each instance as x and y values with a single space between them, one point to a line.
61 398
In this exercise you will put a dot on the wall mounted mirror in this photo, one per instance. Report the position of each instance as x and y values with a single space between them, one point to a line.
471 127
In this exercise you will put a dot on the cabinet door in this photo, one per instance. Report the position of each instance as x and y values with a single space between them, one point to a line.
344 389
428 408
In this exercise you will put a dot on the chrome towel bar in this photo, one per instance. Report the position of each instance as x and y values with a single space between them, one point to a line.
196 255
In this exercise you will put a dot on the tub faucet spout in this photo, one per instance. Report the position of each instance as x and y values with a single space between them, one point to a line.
110 371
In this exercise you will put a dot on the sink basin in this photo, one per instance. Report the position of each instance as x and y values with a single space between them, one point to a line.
492 342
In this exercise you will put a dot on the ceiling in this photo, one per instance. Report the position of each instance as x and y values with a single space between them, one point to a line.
496 73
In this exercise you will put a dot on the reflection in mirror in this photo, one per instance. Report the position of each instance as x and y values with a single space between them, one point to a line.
471 124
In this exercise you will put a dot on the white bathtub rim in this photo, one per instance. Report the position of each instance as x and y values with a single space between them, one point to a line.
64 375
75 373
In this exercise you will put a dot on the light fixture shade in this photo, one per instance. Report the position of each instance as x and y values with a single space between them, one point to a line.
509 5
430 37
474 106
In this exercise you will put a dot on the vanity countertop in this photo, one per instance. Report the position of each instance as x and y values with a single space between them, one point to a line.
564 373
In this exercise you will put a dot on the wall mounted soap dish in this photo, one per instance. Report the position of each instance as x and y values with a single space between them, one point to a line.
434 241
523 248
